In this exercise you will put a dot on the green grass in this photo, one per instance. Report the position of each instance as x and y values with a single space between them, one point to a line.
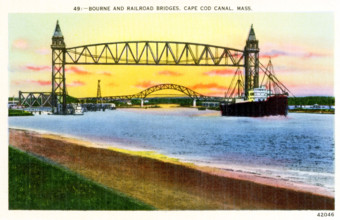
35 184
15 112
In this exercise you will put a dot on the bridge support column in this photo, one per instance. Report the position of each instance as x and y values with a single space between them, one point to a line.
194 103
142 103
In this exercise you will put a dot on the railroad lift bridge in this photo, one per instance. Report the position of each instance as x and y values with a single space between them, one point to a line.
147 53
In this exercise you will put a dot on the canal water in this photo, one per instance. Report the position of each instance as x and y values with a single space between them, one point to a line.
298 148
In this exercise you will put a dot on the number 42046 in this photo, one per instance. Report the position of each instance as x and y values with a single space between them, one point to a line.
325 214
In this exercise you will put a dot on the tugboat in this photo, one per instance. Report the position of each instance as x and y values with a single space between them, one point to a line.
78 110
112 106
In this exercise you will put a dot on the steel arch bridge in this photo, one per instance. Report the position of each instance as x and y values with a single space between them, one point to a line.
143 94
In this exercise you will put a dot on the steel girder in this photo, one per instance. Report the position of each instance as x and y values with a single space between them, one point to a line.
39 99
154 53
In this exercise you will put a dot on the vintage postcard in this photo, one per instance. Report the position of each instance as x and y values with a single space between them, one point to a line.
174 107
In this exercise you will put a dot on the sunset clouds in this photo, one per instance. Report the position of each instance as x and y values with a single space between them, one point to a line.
76 83
23 45
169 73
20 44
33 82
300 45
145 84
112 84
77 70
296 53
46 83
37 68
220 72
105 73
211 86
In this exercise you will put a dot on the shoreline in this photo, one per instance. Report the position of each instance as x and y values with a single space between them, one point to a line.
167 183
230 171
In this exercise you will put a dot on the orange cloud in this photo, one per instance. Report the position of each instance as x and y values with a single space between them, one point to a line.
42 82
311 54
219 72
219 94
169 73
105 73
36 82
78 71
145 84
213 86
37 68
76 83
112 84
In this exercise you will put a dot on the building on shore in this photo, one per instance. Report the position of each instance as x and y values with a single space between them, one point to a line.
315 107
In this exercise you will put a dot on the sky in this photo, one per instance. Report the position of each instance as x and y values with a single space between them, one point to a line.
300 46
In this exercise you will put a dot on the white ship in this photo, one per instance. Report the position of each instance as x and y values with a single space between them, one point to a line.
78 110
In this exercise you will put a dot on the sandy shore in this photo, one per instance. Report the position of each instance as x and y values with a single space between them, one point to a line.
171 185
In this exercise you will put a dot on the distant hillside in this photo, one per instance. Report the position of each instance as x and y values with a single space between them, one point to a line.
311 100
71 99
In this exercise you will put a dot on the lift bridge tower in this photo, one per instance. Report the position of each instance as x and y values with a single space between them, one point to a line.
58 72
251 62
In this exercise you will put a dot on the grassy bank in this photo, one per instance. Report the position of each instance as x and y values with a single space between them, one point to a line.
16 112
36 184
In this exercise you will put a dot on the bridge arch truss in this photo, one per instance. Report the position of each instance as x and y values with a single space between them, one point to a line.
145 93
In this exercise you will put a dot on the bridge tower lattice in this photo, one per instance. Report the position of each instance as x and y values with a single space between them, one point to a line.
58 72
251 62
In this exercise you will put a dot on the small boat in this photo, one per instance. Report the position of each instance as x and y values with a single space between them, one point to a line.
112 106
78 110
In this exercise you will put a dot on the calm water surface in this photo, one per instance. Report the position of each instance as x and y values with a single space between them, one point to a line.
297 148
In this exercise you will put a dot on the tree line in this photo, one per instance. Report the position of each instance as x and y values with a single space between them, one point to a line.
311 100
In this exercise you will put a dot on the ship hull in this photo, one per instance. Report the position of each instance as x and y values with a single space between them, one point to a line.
274 105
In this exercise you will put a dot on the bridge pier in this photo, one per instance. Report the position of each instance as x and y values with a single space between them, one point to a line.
141 103
194 103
